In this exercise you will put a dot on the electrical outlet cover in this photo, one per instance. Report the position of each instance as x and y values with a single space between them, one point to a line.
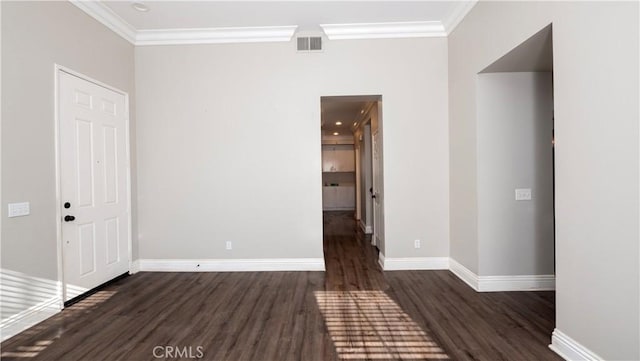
523 194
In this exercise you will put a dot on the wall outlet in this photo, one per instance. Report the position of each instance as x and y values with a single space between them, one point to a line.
19 209
228 245
416 243
523 194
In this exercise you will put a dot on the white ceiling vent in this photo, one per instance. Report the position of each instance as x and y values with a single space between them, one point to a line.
308 44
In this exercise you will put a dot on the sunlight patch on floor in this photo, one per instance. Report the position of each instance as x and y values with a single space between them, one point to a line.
37 347
370 325
28 351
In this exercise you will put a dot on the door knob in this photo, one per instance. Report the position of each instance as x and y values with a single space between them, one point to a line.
69 218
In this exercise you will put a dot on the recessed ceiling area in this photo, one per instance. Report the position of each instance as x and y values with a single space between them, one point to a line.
308 15
345 110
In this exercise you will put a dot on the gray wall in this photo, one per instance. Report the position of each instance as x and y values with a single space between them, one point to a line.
515 122
229 145
35 35
596 120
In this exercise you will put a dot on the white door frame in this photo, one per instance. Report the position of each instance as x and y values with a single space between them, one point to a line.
57 70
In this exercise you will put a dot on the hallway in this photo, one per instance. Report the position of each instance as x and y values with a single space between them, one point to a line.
351 261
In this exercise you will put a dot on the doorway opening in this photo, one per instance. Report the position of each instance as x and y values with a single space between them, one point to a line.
352 188
516 160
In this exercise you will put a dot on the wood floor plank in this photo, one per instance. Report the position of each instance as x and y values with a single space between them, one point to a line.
353 311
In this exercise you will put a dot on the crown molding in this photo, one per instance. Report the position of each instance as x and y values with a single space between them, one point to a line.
413 29
215 35
106 16
459 12
102 13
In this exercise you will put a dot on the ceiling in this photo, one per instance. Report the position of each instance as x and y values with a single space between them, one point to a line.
215 22
344 109
308 15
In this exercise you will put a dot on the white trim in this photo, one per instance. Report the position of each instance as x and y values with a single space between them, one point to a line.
381 260
455 17
516 283
502 283
408 29
231 265
108 18
570 349
416 263
366 229
103 14
464 274
57 69
215 35
129 190
21 321
56 134
135 267
69 71
331 209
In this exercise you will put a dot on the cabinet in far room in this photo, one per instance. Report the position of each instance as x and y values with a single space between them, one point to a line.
339 198
338 158
338 177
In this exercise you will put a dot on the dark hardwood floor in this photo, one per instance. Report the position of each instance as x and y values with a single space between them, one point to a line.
353 311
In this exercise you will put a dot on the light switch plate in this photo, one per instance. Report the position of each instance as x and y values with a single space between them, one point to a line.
523 194
19 209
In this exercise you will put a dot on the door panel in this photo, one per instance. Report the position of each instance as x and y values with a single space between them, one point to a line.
110 164
93 180
87 248
112 238
84 175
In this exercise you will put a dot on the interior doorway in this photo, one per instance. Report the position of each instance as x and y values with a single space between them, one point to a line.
352 163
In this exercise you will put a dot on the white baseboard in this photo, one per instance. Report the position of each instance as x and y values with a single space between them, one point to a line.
231 265
365 229
381 260
503 283
569 349
464 274
33 315
516 283
339 209
415 263
135 267
478 283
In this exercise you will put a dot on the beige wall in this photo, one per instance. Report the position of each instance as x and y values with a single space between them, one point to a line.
229 145
514 150
596 118
35 35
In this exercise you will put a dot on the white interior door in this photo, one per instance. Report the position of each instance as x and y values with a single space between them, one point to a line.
367 188
93 184
377 194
